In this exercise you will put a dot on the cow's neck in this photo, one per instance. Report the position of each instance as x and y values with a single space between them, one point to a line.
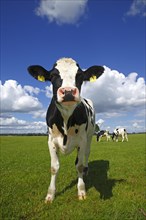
66 111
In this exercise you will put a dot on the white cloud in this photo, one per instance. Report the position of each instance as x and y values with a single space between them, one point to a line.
31 90
62 11
11 121
135 125
138 126
137 8
39 114
118 99
100 122
14 125
15 98
114 92
112 114
49 91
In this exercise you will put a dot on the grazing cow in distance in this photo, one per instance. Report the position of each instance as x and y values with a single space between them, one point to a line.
103 133
119 132
70 118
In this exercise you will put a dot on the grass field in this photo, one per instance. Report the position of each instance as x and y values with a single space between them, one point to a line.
115 183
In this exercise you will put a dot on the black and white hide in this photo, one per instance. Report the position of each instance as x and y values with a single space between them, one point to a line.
103 133
119 132
70 118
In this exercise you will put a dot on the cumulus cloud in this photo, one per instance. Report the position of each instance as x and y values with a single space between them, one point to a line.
138 7
114 92
11 121
49 91
135 125
114 96
100 122
62 12
39 114
15 98
31 90
14 125
138 126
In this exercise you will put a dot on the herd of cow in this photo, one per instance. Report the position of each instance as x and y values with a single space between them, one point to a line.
70 118
114 136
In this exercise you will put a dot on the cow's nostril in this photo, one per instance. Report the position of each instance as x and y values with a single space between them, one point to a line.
74 91
62 91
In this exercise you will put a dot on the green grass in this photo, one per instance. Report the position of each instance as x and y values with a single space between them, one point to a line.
115 183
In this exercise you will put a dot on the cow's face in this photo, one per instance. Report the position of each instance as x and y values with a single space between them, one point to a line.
66 78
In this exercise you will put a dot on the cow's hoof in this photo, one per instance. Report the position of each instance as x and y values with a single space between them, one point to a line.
49 199
82 196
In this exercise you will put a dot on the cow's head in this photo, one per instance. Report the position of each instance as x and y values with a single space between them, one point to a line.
66 77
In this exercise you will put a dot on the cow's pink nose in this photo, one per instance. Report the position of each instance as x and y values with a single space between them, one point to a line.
67 90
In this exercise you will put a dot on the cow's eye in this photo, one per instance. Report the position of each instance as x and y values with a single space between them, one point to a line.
56 81
54 74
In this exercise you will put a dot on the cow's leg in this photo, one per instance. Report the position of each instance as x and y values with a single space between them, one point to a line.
80 169
122 137
54 169
107 137
100 138
126 136
87 153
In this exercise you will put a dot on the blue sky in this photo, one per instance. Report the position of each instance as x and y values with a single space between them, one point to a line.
108 33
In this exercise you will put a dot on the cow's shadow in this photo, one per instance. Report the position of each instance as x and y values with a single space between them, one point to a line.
98 178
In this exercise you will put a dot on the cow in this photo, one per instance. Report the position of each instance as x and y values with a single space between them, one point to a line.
119 132
101 134
70 118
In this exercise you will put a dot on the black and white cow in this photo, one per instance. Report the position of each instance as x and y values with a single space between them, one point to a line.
70 118
103 133
119 132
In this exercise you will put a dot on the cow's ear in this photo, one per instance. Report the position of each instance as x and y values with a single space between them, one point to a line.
92 73
39 73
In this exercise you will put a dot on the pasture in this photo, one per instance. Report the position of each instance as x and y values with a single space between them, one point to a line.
115 183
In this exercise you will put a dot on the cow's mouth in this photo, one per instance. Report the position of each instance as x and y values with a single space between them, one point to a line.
69 103
68 96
